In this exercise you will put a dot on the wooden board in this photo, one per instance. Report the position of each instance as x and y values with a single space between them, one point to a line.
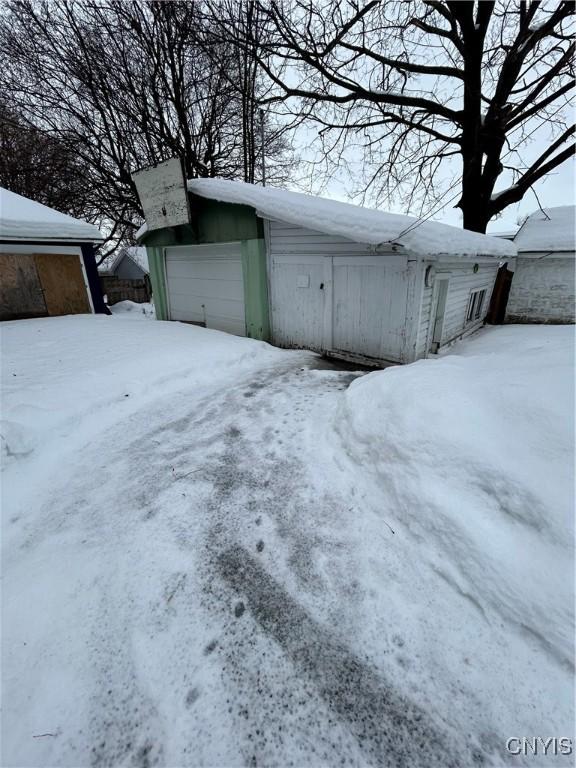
63 283
21 293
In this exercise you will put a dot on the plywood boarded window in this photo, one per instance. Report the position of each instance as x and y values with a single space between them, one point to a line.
63 283
21 293
36 285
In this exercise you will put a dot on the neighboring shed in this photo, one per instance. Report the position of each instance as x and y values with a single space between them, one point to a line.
304 271
125 276
542 289
47 264
129 263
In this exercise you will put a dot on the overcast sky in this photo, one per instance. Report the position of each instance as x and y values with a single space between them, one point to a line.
556 189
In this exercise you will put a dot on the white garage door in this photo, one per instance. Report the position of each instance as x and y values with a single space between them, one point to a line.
205 286
369 306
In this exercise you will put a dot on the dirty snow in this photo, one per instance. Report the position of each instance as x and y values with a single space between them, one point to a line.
363 225
551 230
259 558
24 219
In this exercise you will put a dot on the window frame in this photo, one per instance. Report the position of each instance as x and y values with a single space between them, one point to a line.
475 305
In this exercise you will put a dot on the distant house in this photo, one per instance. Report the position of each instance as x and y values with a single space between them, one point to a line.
542 289
304 271
128 264
125 276
47 264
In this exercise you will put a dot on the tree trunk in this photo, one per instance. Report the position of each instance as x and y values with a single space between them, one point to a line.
474 209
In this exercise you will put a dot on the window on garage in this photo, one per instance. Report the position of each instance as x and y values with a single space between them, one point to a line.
475 304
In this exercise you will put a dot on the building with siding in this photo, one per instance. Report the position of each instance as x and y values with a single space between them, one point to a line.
304 271
129 263
125 276
542 288
47 264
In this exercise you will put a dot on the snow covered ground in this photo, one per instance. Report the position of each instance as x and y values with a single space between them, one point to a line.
218 553
130 308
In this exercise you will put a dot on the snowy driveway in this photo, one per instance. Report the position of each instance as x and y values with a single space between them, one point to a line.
213 582
203 524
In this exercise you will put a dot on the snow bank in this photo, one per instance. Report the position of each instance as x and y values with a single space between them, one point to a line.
133 310
474 455
24 219
64 378
550 230
363 225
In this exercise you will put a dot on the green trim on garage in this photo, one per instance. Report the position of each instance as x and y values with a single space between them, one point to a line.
157 278
255 289
212 222
215 222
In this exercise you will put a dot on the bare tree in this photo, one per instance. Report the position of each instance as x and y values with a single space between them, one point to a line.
419 84
35 165
125 85
240 26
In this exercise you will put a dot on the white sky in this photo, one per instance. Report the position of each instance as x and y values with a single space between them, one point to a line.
555 189
558 188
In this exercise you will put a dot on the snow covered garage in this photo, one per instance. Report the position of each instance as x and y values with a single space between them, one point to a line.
542 289
309 272
47 264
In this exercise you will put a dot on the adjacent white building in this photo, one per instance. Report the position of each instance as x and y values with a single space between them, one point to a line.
542 289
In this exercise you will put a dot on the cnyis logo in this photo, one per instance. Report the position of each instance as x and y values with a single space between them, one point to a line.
538 745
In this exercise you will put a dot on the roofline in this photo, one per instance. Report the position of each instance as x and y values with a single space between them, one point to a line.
548 250
52 241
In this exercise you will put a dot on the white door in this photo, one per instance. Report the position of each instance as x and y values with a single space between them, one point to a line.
348 305
369 302
205 286
298 288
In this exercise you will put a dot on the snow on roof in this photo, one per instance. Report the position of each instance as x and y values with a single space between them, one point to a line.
549 230
137 254
141 231
362 225
508 234
24 219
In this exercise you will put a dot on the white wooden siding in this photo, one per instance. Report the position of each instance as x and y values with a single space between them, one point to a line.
331 294
463 280
369 314
298 312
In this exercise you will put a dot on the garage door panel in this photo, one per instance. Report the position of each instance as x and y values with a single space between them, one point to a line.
369 304
206 270
205 285
227 308
224 289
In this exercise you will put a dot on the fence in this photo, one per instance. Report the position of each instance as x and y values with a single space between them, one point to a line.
119 289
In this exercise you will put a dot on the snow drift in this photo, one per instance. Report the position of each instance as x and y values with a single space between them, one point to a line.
474 451
363 225
66 378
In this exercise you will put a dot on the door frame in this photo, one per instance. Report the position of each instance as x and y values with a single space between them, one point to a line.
441 288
